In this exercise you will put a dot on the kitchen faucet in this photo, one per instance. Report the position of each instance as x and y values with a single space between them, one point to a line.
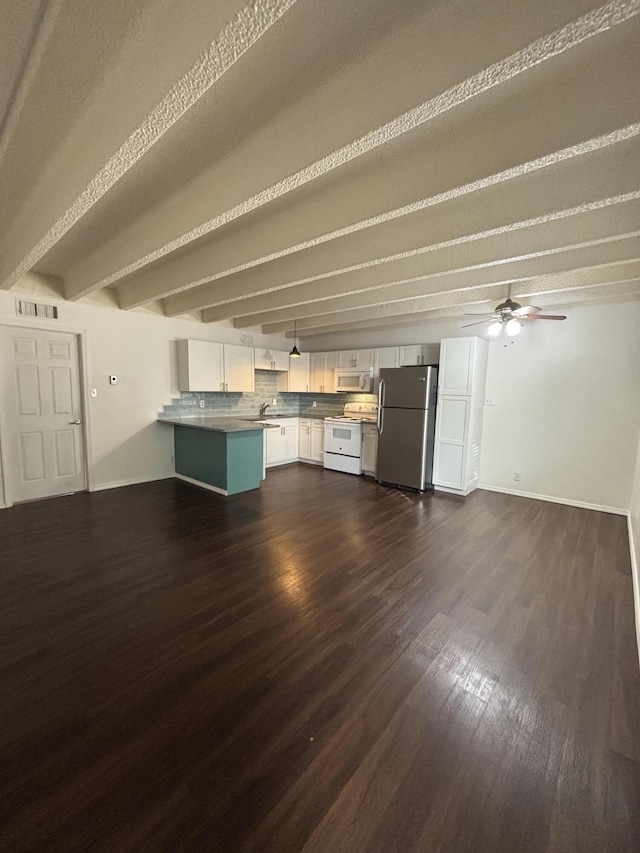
263 409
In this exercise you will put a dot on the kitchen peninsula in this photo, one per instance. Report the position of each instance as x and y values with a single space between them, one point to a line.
224 455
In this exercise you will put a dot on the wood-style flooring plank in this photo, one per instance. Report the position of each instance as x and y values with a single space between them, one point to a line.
324 664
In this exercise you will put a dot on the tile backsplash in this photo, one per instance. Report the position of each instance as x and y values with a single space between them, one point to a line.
237 405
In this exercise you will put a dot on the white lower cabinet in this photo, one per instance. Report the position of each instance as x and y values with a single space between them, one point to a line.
317 441
369 449
281 442
304 439
451 441
311 440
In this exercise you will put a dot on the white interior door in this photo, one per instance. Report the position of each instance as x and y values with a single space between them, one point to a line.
41 398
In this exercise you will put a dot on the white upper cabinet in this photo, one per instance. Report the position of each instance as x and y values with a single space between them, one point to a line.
298 376
418 354
359 358
200 366
322 372
384 357
410 354
271 359
456 366
239 368
207 366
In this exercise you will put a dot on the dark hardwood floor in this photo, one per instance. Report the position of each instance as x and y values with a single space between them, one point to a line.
324 665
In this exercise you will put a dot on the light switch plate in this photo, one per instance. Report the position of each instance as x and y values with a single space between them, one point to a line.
94 392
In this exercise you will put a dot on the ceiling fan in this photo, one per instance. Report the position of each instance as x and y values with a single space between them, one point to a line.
508 317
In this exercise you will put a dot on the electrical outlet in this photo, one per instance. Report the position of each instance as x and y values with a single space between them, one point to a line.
516 476
274 402
94 392
489 401
314 404
202 404
113 380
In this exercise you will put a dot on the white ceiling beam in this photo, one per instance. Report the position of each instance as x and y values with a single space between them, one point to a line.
477 146
552 233
586 175
468 282
89 274
625 291
35 234
314 341
499 271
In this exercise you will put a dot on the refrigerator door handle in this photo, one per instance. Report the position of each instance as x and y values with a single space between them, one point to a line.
380 403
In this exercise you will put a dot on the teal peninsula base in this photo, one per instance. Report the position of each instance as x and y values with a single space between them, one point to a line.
227 462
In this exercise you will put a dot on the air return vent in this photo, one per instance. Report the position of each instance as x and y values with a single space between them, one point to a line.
36 309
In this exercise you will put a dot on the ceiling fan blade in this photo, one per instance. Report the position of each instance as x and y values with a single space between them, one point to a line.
478 323
547 317
487 314
526 310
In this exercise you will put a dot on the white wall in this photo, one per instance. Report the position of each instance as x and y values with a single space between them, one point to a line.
566 413
634 537
567 401
125 444
567 408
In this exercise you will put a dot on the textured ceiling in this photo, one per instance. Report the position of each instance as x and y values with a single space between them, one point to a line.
344 165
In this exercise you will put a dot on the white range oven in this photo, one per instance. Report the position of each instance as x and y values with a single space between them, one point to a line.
343 437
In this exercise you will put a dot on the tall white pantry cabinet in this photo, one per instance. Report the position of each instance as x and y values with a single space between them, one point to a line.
461 385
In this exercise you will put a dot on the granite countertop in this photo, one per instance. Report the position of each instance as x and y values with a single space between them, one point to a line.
227 424
215 424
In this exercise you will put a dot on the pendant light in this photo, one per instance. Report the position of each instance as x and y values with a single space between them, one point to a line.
294 352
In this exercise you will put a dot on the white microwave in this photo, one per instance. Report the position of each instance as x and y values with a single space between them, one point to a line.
356 381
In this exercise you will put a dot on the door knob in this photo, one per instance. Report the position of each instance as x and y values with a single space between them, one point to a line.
77 421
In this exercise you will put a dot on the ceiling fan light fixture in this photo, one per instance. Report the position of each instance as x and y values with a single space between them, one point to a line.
514 327
495 329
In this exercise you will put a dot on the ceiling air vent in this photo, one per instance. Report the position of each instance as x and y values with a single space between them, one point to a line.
36 309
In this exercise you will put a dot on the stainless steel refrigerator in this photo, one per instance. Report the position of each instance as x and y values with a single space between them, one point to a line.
406 426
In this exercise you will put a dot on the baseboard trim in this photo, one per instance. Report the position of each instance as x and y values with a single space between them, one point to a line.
202 485
551 499
133 482
635 576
